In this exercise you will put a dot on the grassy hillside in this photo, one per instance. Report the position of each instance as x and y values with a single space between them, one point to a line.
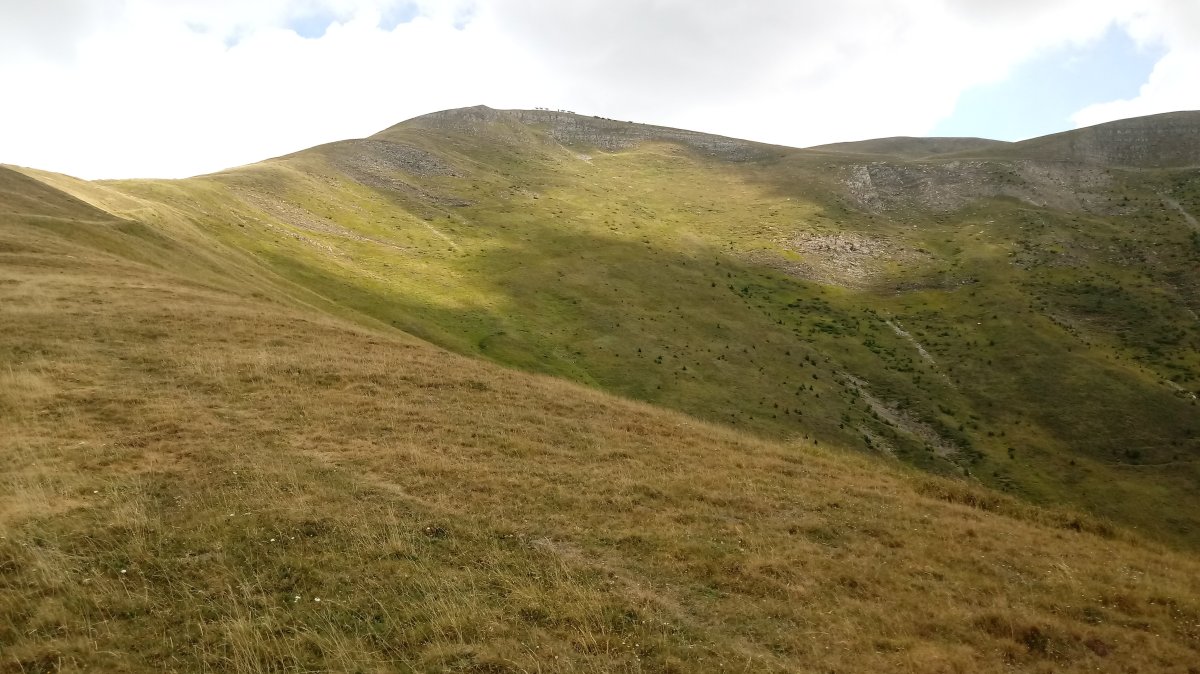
1156 141
1029 323
905 147
218 454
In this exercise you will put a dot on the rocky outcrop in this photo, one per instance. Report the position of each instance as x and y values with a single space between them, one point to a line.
951 184
383 158
391 167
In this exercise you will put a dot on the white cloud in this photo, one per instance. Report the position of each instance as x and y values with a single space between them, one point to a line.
796 73
177 87
1173 83
155 96
49 29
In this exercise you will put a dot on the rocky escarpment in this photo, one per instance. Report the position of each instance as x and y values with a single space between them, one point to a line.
370 161
948 185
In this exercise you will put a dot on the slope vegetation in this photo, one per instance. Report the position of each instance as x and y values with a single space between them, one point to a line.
904 147
1170 140
219 454
1028 322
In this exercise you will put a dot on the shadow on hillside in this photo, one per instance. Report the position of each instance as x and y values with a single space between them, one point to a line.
726 340
582 306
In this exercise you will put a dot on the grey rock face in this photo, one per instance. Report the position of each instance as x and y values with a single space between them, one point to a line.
381 157
391 167
948 185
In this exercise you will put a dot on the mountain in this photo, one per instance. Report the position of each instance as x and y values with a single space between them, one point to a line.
1170 140
1027 321
575 130
509 390
904 147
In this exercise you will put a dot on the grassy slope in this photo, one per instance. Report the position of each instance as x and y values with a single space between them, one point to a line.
1061 345
912 148
194 455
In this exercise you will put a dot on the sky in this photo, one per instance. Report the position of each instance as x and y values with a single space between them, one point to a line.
172 88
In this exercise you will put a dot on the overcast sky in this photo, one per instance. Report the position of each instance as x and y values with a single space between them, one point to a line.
170 88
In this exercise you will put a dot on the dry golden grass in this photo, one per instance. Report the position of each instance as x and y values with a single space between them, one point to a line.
195 480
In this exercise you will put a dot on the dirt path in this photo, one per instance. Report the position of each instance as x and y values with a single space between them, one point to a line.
1191 220
903 421
440 233
901 332
302 219
1179 389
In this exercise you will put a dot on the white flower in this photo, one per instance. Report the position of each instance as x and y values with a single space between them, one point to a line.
317 599
122 570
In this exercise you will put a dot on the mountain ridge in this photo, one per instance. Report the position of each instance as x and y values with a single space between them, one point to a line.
1166 140
910 147
1174 136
